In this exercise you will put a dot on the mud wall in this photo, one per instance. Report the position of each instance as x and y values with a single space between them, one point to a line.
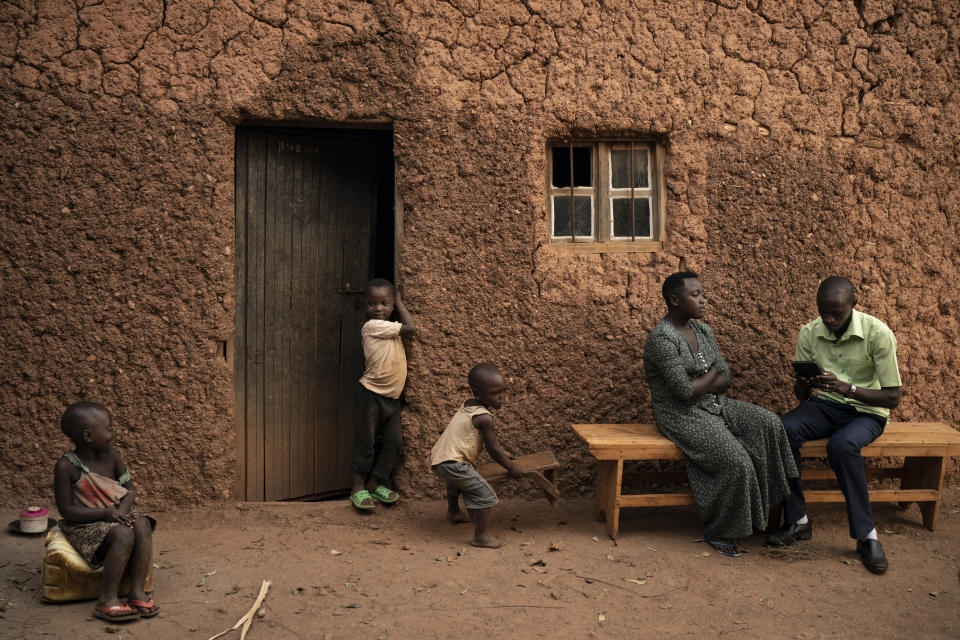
804 138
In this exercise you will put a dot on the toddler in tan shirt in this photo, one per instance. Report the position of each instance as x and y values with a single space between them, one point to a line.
454 456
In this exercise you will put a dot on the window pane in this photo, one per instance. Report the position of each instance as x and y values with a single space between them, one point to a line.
581 166
620 169
621 217
582 212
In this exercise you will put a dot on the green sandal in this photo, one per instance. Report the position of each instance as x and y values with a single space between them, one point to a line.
385 495
358 499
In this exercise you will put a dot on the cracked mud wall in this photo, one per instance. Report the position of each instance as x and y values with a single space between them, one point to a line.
802 139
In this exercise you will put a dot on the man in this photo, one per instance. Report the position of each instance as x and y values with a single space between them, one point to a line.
858 386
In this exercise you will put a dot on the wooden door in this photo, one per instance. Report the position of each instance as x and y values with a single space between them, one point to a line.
306 210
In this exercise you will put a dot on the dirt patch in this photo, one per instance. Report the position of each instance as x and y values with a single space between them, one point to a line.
405 573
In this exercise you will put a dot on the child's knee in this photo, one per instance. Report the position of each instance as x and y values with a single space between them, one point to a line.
142 528
120 536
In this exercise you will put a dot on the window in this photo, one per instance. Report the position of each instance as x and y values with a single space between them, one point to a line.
605 194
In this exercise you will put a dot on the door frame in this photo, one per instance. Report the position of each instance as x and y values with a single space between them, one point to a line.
239 487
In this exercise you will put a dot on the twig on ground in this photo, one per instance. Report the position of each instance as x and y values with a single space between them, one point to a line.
546 581
583 593
631 591
609 584
734 630
247 618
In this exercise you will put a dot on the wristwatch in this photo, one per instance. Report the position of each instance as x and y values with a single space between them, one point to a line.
853 390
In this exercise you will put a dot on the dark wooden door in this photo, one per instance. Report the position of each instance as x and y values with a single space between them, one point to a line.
306 209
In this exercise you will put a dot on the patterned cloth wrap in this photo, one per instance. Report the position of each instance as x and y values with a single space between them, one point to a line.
97 492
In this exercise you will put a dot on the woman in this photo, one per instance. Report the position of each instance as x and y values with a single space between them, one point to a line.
738 457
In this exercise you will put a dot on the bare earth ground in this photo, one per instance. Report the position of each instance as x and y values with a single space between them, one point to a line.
406 573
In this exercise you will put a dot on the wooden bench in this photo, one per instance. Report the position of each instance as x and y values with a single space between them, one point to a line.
923 445
541 467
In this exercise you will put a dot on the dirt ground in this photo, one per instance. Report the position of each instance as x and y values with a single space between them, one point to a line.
404 572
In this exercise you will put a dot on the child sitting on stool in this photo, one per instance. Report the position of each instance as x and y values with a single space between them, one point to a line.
95 497
455 454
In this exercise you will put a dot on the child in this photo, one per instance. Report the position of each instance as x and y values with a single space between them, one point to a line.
455 454
95 497
379 403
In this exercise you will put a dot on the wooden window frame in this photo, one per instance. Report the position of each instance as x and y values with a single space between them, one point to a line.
602 194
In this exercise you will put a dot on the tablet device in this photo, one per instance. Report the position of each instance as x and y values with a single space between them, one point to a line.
806 368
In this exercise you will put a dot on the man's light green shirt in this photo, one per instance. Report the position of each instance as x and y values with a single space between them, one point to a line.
866 355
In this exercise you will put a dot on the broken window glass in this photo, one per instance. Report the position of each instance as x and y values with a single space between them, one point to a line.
582 165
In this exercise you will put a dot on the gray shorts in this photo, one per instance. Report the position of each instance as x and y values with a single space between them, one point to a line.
463 480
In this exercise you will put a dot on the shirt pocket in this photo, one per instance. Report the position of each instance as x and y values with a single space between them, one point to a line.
861 368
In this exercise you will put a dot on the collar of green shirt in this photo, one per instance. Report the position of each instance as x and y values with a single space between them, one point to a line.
854 329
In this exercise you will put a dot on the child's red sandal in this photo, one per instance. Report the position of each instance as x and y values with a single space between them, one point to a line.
116 613
146 609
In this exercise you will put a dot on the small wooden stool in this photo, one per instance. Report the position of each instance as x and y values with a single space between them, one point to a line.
541 467
65 576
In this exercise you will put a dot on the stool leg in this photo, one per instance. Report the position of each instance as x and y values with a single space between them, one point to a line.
924 473
609 477
553 475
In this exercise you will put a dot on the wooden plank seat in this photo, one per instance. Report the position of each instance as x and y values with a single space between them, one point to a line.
541 467
923 445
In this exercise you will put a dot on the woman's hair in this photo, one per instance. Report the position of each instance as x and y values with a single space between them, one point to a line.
674 283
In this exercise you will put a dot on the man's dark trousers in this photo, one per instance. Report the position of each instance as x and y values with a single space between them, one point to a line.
849 431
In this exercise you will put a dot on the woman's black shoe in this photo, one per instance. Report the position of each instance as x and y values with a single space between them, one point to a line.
790 533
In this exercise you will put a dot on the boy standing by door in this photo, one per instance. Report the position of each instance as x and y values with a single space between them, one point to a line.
379 395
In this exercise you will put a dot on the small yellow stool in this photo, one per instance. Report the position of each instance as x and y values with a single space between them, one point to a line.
65 576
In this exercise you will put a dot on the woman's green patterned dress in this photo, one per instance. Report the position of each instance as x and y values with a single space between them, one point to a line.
738 457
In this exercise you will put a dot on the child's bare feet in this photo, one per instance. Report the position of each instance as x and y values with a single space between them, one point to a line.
486 541
457 516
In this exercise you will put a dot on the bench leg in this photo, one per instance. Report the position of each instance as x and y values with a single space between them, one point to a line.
924 473
609 477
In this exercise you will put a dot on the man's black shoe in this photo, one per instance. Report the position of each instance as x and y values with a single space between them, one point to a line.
871 553
790 533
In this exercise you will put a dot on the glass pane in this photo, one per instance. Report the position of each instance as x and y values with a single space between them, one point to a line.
582 173
620 169
561 216
621 217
